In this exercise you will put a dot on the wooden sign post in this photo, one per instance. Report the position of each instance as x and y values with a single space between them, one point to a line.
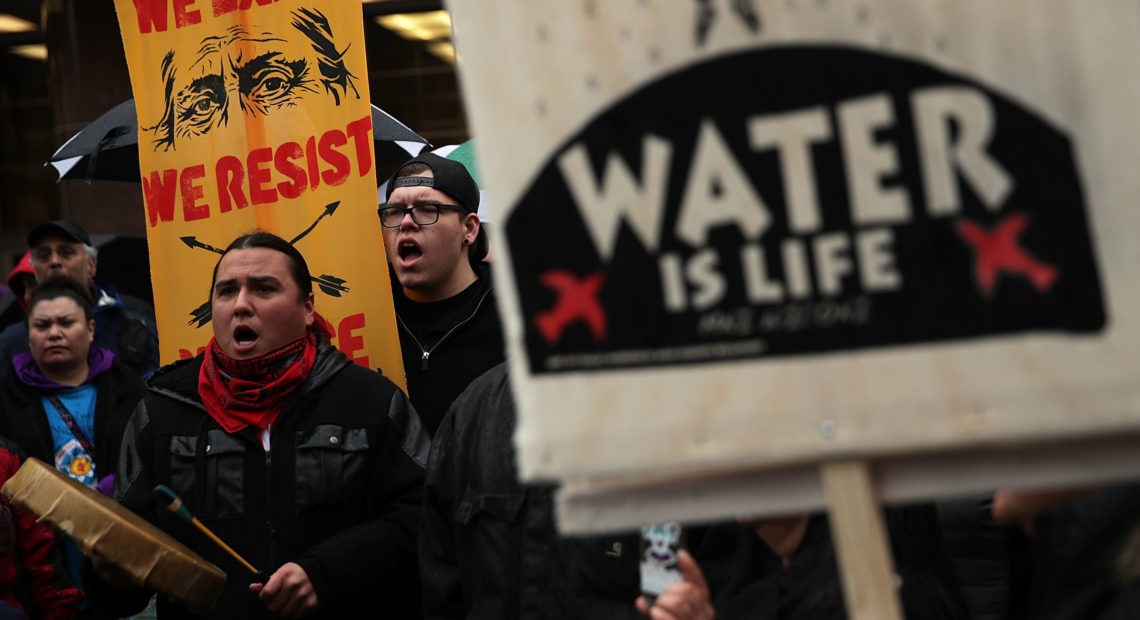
861 544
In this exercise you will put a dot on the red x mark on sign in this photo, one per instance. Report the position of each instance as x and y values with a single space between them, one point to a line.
577 301
996 250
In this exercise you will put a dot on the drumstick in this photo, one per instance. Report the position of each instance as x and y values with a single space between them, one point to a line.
174 504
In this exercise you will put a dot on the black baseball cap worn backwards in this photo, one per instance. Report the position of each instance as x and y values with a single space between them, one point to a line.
449 177
67 228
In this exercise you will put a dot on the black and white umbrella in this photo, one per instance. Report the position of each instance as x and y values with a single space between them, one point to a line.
108 148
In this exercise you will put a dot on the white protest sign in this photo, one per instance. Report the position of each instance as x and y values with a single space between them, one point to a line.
736 239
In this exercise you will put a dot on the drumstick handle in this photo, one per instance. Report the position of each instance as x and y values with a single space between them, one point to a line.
221 543
174 504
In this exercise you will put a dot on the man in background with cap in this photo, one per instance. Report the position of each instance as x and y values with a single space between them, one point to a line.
123 324
445 305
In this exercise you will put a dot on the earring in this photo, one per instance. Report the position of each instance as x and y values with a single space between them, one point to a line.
466 241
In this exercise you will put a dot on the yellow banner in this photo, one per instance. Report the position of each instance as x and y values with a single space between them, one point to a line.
254 114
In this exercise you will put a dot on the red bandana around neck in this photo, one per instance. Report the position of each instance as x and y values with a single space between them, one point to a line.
241 393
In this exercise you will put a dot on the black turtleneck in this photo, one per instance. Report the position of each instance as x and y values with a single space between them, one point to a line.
462 337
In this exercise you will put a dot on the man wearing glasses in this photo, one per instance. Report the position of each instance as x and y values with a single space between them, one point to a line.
445 305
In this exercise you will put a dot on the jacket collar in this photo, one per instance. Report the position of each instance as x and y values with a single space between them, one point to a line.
179 380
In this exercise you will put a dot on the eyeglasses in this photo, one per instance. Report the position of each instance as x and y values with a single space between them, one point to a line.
423 214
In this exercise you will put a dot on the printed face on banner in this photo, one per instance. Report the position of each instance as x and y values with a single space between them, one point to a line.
254 116
797 200
248 72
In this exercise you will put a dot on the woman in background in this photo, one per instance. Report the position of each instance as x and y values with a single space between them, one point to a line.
67 402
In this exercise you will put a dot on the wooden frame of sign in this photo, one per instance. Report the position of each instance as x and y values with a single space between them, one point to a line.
850 490
770 255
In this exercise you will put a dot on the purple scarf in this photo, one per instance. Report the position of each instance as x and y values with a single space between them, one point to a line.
98 362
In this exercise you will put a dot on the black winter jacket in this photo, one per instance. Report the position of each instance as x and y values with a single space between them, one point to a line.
755 584
1074 558
990 560
24 421
489 548
338 493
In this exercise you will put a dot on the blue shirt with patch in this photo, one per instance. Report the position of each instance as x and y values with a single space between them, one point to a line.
70 456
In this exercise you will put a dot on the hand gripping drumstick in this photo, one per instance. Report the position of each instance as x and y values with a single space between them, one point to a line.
165 497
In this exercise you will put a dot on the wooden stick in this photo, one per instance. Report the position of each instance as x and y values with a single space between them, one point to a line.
173 503
221 543
861 543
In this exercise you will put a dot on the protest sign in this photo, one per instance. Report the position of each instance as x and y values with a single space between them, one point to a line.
255 115
738 239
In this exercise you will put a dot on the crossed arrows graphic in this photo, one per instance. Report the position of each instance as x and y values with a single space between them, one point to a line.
329 285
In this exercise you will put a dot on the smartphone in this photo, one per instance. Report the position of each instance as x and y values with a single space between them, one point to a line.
660 543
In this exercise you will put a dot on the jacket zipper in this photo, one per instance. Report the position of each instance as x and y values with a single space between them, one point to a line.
269 526
425 356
